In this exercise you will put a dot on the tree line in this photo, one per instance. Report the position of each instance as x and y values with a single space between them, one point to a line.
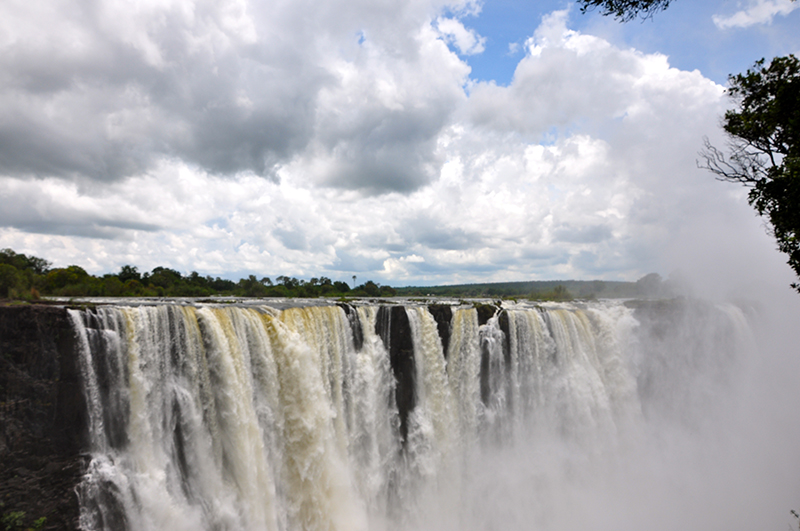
29 277
649 286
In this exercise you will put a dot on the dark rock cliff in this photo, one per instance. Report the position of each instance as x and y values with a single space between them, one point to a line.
42 418
443 315
394 329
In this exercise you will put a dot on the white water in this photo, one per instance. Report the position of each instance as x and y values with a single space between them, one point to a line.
228 418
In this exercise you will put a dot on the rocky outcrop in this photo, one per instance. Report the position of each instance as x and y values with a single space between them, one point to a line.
485 312
42 417
443 315
394 329
355 324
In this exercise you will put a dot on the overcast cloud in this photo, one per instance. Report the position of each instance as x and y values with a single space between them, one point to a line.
347 137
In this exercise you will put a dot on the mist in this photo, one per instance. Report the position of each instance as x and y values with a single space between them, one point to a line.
605 415
715 447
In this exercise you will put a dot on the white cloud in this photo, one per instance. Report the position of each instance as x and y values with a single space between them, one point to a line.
757 12
466 40
110 89
380 164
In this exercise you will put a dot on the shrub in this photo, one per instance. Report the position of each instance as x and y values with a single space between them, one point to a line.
10 280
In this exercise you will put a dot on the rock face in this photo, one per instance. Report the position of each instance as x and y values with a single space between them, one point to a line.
42 418
355 325
443 315
394 329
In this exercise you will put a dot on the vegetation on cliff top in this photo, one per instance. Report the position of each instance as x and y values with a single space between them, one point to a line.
29 277
26 277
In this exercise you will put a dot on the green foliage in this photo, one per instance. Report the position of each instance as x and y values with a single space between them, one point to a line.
289 283
11 279
113 286
62 277
388 291
74 281
252 287
341 287
371 289
132 287
25 277
13 520
764 143
22 262
21 276
625 10
164 277
129 272
367 289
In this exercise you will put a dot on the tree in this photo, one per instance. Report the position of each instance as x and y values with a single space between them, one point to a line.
372 289
164 277
128 272
67 276
252 287
22 262
341 286
289 283
764 145
625 10
10 280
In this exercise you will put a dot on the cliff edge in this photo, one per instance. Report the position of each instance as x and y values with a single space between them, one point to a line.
42 419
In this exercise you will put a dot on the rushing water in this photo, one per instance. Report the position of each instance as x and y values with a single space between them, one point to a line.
371 418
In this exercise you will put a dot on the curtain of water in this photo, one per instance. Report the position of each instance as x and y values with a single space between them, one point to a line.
228 418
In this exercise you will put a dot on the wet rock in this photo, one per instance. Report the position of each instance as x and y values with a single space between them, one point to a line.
42 416
394 329
355 325
443 314
485 312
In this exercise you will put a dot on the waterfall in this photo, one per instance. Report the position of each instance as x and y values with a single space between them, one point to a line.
341 417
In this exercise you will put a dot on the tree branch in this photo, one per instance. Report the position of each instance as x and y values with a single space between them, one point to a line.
743 166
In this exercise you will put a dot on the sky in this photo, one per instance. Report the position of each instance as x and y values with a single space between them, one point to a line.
411 142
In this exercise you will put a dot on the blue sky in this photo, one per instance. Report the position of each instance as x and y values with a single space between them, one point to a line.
685 32
407 142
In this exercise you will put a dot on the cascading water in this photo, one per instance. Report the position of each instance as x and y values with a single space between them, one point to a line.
351 418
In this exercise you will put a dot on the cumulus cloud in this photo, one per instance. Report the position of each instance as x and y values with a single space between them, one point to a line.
569 79
377 126
108 89
148 141
757 12
466 40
